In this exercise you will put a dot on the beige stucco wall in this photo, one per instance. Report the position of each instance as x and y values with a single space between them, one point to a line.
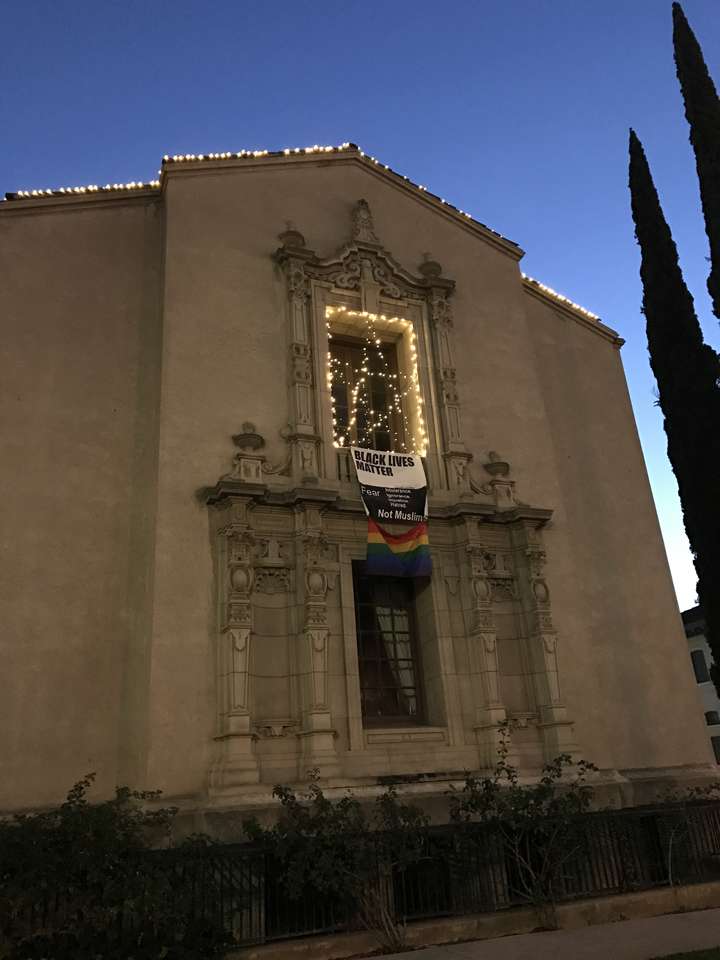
113 621
79 315
624 658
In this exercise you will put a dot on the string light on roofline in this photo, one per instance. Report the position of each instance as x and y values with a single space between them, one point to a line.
184 158
559 296
180 158
90 189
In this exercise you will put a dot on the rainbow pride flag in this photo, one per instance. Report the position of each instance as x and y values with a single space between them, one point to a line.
398 555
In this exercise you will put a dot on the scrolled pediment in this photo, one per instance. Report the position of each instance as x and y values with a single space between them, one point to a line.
362 259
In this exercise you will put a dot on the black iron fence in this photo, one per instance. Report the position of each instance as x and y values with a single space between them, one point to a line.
462 869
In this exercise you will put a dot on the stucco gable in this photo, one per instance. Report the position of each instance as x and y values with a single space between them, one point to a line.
343 153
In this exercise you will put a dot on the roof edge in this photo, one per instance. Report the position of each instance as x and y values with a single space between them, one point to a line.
192 160
23 200
585 317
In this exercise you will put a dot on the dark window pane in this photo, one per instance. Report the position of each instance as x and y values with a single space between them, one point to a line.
365 394
716 748
700 667
386 648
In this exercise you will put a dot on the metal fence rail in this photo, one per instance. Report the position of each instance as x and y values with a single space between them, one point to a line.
463 869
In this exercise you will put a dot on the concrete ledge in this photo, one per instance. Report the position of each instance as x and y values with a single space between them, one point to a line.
484 926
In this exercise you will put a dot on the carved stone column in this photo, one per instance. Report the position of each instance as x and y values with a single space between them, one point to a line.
236 763
529 556
490 711
457 458
319 572
293 257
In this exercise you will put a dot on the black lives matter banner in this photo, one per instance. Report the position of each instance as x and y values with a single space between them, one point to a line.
392 485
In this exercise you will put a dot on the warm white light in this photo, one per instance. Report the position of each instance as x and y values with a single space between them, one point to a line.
377 420
558 296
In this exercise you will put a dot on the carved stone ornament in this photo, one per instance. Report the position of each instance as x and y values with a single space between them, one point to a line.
536 560
544 623
272 580
318 550
503 588
540 591
249 464
429 268
361 260
500 487
522 719
239 614
484 620
316 583
550 641
481 589
291 238
452 581
363 227
272 552
275 728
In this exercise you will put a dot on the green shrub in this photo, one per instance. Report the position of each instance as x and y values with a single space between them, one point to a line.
81 881
339 849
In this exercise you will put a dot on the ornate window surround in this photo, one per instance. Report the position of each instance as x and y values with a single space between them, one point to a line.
364 278
406 323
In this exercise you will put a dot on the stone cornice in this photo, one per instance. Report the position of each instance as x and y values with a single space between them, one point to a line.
61 203
225 490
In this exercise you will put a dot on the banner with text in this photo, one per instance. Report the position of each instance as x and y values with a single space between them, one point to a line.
392 485
393 488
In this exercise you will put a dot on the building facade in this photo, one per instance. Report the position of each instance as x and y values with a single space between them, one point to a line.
701 658
185 605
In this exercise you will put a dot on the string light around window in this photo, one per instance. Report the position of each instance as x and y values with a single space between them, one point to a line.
402 417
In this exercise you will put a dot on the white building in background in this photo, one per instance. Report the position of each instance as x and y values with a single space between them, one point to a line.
701 660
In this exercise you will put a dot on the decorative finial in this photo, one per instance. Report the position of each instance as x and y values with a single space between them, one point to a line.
291 237
363 228
248 438
495 466
429 268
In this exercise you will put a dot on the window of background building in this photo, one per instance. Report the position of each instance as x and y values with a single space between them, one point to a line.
366 409
716 748
390 687
712 717
700 667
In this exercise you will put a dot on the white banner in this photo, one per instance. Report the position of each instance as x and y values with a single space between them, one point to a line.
392 485
383 468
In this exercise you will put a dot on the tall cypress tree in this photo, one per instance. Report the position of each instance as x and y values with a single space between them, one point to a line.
702 109
686 370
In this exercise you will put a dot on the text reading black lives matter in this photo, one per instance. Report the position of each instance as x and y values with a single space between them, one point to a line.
373 461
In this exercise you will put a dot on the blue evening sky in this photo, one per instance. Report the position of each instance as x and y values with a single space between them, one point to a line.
515 110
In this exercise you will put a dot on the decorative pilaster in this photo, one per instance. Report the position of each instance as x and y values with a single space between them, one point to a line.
293 257
319 572
490 711
555 725
457 458
236 764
